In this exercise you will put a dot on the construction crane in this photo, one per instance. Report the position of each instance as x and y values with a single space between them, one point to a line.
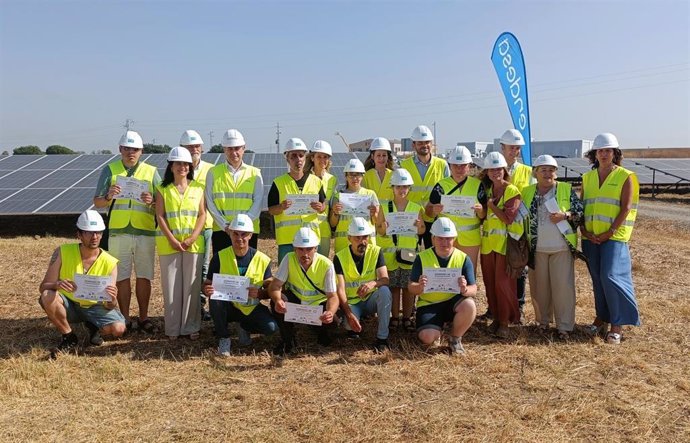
343 139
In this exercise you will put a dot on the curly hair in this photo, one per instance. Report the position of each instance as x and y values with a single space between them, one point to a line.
592 157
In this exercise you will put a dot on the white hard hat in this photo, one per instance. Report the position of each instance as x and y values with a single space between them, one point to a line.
179 154
495 160
401 177
232 138
422 134
380 144
190 137
243 223
605 140
512 137
295 144
444 227
460 155
359 226
322 146
91 221
545 160
131 139
354 165
305 238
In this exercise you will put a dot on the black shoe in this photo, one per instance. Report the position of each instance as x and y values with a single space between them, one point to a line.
94 334
381 345
285 347
68 344
324 339
205 315
352 335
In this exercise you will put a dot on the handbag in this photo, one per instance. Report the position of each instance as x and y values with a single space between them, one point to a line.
517 255
403 256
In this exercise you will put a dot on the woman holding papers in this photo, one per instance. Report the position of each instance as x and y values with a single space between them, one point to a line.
352 201
610 194
400 250
554 210
319 163
379 166
503 203
181 216
465 202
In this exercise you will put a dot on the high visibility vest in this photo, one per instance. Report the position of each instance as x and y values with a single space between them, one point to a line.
340 232
603 204
181 213
467 227
255 273
230 197
125 211
200 176
298 283
328 182
288 225
429 260
421 189
494 231
404 241
382 188
521 176
563 200
353 279
71 264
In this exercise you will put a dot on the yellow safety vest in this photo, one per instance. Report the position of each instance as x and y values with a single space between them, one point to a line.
125 211
233 198
563 200
404 241
353 279
521 176
340 233
298 283
288 225
429 260
383 188
200 176
328 183
71 264
181 213
603 204
494 233
421 189
255 273
467 227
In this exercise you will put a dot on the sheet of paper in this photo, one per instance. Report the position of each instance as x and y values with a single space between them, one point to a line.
91 287
401 223
230 288
131 188
305 314
459 205
356 205
442 280
301 204
552 206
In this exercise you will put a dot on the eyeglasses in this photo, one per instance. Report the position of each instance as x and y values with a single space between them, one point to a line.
129 149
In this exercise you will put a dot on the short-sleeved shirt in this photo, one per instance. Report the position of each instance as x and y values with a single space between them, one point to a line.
437 192
359 262
329 279
467 269
274 194
423 167
242 265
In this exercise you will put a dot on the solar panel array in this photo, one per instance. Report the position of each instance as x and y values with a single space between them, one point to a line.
668 171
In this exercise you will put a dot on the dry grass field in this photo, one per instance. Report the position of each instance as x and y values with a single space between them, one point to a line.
529 388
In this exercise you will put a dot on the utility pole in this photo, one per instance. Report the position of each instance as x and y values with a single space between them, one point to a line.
435 143
210 137
129 123
278 137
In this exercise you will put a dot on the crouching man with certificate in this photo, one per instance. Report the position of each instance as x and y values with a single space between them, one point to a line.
303 285
93 300
443 278
235 283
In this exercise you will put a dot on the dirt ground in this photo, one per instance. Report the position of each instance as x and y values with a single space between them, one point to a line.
531 387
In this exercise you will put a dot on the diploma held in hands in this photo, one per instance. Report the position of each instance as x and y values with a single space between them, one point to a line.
458 205
305 314
552 207
131 188
401 223
355 205
230 288
301 204
91 287
442 280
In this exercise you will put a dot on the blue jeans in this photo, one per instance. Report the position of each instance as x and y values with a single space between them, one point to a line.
378 302
611 270
96 314
259 321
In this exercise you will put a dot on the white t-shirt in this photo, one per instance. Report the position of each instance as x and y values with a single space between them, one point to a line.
549 238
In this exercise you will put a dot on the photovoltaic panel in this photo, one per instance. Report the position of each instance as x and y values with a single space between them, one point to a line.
62 180
13 162
72 201
678 167
25 201
22 178
90 161
52 162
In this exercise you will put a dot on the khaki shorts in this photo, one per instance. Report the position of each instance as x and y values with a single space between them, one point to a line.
139 250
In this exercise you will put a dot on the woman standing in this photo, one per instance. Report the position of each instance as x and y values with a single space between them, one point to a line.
503 202
378 167
181 215
553 244
319 163
610 194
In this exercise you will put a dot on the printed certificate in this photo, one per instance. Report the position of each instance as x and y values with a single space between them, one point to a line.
305 314
356 205
458 205
552 207
401 223
131 188
91 287
230 288
442 280
301 204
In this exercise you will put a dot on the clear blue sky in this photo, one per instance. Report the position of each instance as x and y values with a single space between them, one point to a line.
72 72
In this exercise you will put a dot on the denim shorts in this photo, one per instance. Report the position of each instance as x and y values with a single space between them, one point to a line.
435 315
97 314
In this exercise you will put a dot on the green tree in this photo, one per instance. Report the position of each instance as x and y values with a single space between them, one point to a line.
28 150
104 152
57 149
150 148
216 149
4 153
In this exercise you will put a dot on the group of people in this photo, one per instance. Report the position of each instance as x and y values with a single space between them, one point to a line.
203 220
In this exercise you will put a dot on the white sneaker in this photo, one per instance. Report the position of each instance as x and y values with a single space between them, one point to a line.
224 347
455 344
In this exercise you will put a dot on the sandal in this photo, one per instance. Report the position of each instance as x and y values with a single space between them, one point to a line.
613 338
408 324
594 330
394 323
194 336
147 326
563 335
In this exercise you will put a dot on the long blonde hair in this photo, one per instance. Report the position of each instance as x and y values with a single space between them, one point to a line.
309 163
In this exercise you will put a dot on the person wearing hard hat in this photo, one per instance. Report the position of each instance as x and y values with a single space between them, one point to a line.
58 299
244 261
304 277
610 194
435 309
295 181
362 282
181 215
460 183
319 163
233 187
503 203
131 226
426 171
400 250
553 245
339 218
378 167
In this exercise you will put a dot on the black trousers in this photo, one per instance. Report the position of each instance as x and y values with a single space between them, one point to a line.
287 329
